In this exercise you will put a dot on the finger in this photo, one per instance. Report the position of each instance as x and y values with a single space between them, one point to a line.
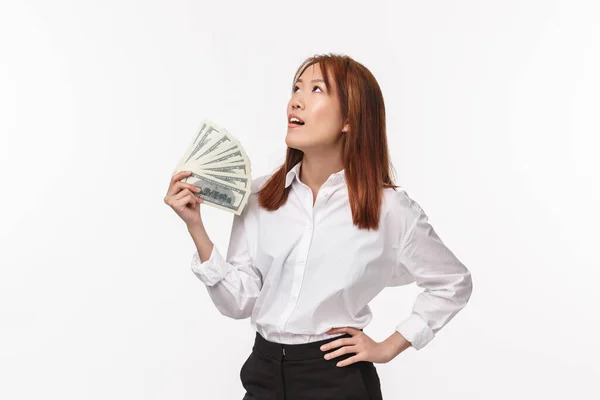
196 201
178 186
187 185
346 329
349 360
182 194
194 204
181 185
337 343
180 175
181 204
340 352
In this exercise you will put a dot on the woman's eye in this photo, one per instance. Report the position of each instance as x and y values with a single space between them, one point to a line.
294 89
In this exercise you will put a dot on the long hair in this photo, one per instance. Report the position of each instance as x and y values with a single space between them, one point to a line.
367 167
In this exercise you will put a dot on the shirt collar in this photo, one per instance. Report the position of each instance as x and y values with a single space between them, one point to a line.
295 173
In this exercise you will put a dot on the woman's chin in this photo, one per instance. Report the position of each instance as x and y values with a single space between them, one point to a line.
292 139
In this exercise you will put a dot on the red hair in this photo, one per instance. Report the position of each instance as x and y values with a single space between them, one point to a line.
367 167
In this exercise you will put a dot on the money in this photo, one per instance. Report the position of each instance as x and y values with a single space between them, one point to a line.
220 168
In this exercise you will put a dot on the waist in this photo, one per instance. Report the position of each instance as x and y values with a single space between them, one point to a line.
292 352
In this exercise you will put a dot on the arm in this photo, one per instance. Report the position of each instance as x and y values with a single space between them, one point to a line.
446 281
233 283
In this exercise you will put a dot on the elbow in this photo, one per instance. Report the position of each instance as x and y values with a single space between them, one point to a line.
458 291
236 313
465 289
230 303
233 307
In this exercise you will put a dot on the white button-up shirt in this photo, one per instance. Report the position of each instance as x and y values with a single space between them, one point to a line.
302 269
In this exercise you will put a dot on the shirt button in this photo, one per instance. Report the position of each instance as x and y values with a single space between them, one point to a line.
295 297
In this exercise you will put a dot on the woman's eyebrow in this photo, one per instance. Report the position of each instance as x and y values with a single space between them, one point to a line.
314 80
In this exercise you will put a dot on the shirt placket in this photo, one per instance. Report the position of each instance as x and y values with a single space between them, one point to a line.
300 265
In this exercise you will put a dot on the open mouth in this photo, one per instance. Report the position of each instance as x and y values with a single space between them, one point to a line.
296 121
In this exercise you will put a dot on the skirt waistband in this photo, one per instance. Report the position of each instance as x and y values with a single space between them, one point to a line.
295 352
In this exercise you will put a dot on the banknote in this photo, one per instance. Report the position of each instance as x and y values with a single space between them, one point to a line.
205 134
218 194
240 181
220 168
232 155
219 143
239 168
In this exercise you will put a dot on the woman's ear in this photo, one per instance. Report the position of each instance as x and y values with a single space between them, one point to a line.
345 127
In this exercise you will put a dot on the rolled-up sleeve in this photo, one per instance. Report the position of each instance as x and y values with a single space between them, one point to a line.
234 282
446 281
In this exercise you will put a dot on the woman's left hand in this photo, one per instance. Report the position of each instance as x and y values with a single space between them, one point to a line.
366 349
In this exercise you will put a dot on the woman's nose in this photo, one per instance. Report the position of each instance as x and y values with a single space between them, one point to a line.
296 103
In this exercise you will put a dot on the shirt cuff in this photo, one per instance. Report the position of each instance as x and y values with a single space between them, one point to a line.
416 331
212 270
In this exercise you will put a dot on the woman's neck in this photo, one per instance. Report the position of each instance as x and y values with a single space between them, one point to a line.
315 171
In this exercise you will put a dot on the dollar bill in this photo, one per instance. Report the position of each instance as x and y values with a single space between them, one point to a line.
218 194
240 181
206 132
240 168
220 168
230 156
219 144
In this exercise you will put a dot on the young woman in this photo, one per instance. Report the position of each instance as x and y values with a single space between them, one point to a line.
318 240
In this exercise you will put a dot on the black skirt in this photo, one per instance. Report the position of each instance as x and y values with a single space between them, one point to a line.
276 371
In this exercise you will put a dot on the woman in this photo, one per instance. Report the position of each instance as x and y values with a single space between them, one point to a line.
320 238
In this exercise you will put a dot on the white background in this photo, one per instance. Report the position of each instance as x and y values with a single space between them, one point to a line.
493 129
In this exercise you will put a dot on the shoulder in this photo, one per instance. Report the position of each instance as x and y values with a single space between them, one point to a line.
402 207
402 212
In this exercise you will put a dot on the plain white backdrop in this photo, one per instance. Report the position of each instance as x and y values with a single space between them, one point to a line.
492 117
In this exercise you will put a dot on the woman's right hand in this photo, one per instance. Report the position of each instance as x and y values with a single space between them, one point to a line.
180 196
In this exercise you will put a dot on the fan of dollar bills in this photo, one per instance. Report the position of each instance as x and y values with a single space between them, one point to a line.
220 168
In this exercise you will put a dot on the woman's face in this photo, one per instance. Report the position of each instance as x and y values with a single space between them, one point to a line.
318 109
